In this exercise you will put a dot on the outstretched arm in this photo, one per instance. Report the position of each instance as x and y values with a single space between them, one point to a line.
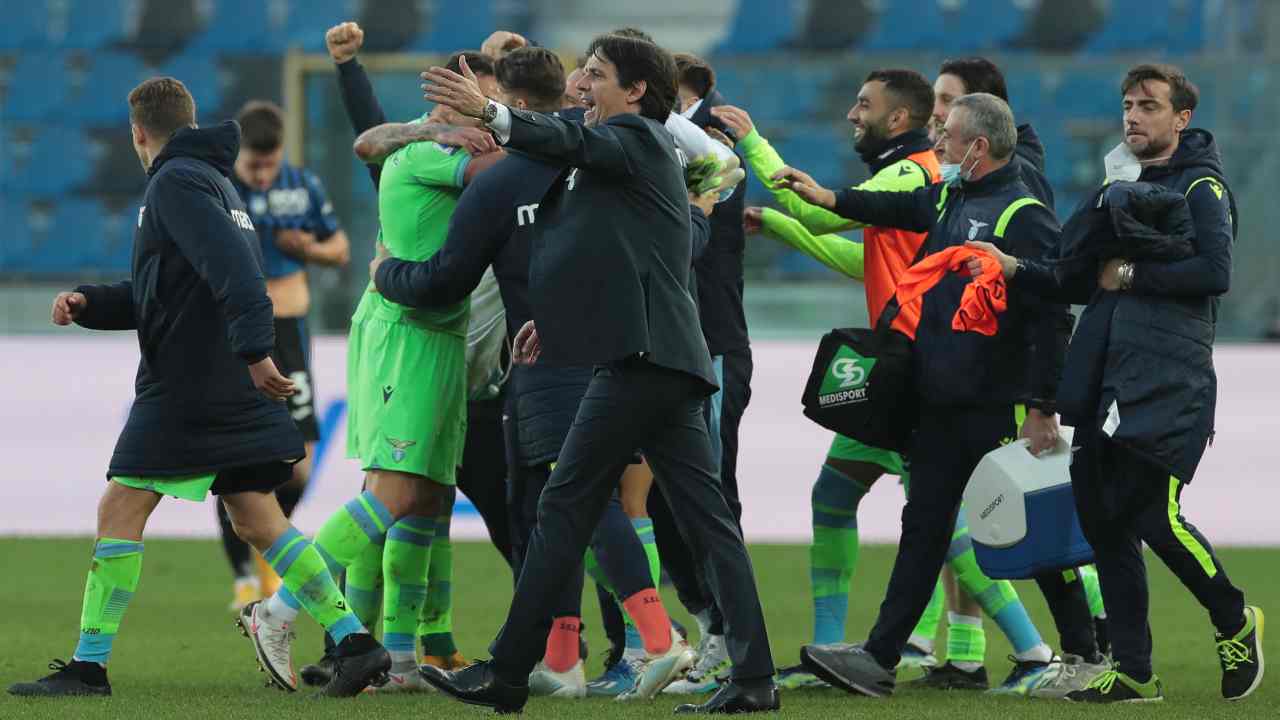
836 252
550 138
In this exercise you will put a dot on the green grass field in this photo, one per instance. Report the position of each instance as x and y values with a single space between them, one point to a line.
179 656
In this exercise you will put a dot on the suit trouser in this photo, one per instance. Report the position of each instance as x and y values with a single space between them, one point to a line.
948 444
619 551
483 475
723 413
1123 501
628 405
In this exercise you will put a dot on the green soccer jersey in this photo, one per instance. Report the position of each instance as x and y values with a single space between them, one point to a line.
416 196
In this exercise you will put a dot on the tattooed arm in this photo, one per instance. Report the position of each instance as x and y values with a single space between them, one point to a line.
377 143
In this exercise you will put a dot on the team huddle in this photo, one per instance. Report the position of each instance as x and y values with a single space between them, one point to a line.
554 325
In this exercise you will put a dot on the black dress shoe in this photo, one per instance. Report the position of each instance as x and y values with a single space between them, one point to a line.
733 698
478 684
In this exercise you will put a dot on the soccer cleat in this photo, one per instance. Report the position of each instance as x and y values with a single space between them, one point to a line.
1075 674
410 682
1027 676
616 679
545 682
656 673
272 643
850 668
1113 686
713 661
916 657
455 661
1241 657
319 673
359 661
950 677
245 591
67 679
796 677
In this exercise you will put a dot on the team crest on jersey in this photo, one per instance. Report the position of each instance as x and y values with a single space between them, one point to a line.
398 448
288 201
258 204
974 227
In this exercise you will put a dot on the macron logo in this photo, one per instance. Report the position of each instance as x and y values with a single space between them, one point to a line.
241 218
525 214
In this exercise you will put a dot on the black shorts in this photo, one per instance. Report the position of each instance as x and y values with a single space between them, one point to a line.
262 478
293 359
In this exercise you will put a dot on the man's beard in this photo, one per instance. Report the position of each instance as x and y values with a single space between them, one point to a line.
872 138
1154 149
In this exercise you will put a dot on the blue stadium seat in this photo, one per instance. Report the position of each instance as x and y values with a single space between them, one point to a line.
16 246
237 27
758 26
58 159
38 86
200 72
25 26
309 19
1169 26
103 96
906 26
459 25
92 24
1088 94
979 25
108 248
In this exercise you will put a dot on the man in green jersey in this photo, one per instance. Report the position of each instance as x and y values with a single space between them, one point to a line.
406 384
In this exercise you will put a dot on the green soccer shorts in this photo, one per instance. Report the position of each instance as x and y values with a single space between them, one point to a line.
846 448
406 398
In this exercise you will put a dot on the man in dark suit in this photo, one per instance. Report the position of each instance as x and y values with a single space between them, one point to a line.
609 286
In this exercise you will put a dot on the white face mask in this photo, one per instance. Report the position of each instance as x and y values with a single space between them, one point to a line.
952 172
1123 166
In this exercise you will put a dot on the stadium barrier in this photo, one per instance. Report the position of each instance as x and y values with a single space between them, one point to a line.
65 399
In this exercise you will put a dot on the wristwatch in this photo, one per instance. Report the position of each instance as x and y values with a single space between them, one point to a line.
490 112
1125 275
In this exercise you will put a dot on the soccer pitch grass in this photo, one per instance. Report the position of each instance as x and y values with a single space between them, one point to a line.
179 656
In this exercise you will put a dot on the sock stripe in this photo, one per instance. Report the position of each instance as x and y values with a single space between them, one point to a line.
364 518
94 648
291 553
288 598
345 626
282 543
398 642
959 546
114 548
380 513
834 522
407 534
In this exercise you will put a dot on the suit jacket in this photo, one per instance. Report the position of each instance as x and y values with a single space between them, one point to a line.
612 251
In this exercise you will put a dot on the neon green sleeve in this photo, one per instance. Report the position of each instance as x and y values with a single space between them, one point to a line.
838 253
434 164
764 162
